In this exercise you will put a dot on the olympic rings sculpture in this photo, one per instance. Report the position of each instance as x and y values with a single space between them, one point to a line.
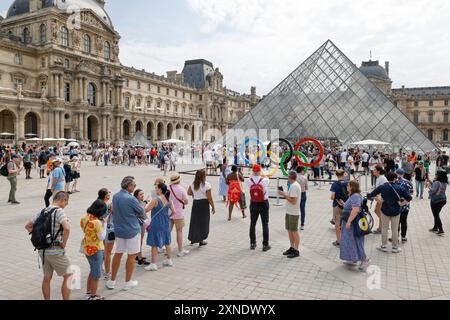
262 154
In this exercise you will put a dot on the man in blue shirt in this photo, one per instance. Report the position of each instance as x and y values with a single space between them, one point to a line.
58 176
408 187
394 198
127 229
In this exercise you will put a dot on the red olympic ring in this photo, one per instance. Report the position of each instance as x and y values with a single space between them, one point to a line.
321 154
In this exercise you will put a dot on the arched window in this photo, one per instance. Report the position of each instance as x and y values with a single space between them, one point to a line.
126 129
26 37
87 44
107 50
43 34
92 94
64 37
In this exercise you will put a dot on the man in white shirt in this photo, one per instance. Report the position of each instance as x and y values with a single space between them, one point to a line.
259 206
293 197
208 156
343 160
365 162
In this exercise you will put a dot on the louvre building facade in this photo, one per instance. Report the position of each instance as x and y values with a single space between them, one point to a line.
61 77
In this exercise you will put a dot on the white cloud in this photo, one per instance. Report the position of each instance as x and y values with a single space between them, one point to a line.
258 42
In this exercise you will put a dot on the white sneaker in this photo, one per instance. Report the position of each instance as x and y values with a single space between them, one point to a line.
168 263
365 264
396 250
110 284
182 253
106 276
382 248
130 285
151 267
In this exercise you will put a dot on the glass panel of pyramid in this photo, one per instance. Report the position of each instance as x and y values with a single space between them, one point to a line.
328 98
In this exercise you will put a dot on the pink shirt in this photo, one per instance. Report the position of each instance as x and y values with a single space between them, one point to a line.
181 194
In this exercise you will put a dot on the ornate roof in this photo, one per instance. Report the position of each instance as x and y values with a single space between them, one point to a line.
97 6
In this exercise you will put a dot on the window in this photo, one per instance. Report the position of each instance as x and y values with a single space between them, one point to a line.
430 117
446 117
43 62
110 97
149 87
159 89
138 103
18 59
64 37
445 135
167 107
431 103
106 50
87 44
430 134
92 95
176 93
184 95
200 97
66 63
190 96
43 34
26 37
127 82
18 82
67 92
139 85
446 103
127 102
149 105
416 103
200 112
167 91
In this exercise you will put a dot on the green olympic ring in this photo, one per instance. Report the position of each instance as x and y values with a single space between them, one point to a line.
286 155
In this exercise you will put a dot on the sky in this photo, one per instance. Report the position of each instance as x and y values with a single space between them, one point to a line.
259 42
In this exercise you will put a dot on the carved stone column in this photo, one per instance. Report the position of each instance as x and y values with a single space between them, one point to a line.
61 86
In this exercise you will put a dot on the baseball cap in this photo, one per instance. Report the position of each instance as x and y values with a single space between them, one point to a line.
57 160
400 171
256 168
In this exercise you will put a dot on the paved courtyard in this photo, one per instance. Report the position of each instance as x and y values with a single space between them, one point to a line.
226 268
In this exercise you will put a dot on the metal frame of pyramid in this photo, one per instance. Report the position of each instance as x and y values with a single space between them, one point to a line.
327 97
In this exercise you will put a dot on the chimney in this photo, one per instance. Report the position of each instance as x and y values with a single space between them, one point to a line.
253 91
35 5
387 68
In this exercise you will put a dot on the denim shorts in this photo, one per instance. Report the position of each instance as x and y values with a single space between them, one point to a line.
96 262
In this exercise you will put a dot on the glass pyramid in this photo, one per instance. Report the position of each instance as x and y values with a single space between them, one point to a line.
327 97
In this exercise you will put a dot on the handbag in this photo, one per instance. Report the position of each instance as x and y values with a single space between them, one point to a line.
361 226
438 197
243 200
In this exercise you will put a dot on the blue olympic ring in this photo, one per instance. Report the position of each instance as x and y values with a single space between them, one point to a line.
262 149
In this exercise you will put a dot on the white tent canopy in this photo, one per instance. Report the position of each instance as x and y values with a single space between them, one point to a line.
370 143
173 141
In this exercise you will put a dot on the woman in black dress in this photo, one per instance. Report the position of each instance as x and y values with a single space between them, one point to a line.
200 190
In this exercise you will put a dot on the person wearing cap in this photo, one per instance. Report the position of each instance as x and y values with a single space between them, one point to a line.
293 197
94 229
407 186
13 170
259 207
179 199
58 176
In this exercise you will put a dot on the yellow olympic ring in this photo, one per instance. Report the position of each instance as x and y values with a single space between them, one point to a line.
274 171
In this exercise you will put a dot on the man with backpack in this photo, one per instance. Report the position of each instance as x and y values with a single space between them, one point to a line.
10 170
259 206
50 231
339 195
407 186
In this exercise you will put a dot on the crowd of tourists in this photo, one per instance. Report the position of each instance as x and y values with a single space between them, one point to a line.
124 220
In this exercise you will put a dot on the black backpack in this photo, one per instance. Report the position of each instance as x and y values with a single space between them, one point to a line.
344 193
4 169
42 237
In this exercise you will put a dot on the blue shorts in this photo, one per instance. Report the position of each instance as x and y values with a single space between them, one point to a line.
96 262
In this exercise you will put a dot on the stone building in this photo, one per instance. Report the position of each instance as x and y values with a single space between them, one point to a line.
61 77
427 107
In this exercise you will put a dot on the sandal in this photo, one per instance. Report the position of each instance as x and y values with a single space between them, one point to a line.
96 298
